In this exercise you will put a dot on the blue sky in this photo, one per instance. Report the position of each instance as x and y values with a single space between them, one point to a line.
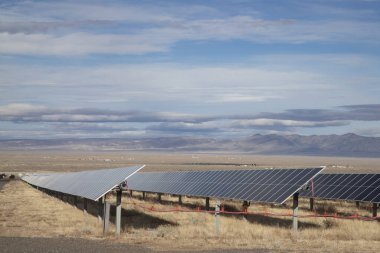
224 69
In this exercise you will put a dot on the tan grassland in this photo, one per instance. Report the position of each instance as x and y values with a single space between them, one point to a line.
27 212
33 161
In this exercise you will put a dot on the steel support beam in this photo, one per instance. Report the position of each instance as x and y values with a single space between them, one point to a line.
118 211
311 204
85 205
245 208
159 197
180 199
217 217
357 204
100 209
295 211
207 205
106 215
374 209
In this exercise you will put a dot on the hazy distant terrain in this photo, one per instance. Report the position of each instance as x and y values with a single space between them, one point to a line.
324 145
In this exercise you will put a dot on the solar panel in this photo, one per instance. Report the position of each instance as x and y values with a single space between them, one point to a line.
355 187
269 186
91 184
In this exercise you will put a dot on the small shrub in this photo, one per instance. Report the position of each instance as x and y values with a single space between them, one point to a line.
328 223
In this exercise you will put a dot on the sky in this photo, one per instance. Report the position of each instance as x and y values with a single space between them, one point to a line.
222 69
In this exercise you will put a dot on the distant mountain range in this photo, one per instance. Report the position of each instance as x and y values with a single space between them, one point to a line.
272 144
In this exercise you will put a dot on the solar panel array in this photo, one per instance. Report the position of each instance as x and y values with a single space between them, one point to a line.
87 184
355 187
269 186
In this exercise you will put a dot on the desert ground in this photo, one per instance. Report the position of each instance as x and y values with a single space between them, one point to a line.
31 217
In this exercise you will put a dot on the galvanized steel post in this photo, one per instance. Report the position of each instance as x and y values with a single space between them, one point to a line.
180 199
295 211
106 216
118 212
100 209
374 210
217 217
159 197
311 204
85 205
207 204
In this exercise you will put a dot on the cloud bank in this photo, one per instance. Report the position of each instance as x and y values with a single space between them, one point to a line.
151 123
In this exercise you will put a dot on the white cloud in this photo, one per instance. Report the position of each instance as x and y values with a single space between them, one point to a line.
262 122
33 113
238 97
20 109
161 38
173 83
77 44
149 29
32 11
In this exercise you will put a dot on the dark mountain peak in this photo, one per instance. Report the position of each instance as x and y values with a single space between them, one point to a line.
327 145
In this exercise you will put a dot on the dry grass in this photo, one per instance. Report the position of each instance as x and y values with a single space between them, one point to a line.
27 212
196 230
33 161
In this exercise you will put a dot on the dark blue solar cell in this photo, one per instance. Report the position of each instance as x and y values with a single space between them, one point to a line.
87 184
341 187
252 185
296 182
356 187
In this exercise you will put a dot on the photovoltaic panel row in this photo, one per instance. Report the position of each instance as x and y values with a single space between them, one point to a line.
355 187
91 184
269 186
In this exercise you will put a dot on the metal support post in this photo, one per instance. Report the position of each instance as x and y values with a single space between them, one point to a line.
295 211
143 195
311 204
245 208
118 211
100 209
180 199
207 204
217 217
159 197
85 205
374 209
357 204
106 213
